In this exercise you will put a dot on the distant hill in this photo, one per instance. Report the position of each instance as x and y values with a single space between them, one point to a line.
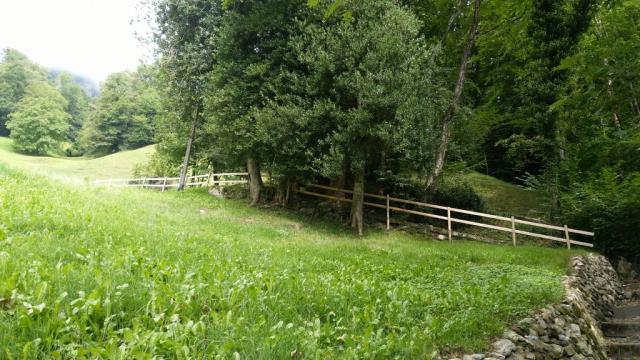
89 86
75 170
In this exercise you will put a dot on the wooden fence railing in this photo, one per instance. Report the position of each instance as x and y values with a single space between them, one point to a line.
165 183
391 204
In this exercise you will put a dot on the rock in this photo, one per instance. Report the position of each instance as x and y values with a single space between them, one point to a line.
474 357
569 350
564 339
625 269
442 237
504 347
494 356
556 351
513 337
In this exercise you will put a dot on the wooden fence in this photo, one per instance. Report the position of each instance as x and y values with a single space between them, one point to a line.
390 204
165 183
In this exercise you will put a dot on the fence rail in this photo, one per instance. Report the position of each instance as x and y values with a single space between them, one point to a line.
165 183
510 228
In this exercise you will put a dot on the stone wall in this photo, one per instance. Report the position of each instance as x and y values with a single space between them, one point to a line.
568 330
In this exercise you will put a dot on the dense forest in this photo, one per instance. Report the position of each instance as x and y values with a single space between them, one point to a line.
371 95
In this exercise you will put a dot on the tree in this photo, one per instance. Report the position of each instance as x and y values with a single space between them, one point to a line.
16 73
185 30
124 116
457 93
252 50
371 91
77 103
39 123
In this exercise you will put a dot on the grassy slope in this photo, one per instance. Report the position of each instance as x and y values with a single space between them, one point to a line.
508 199
76 169
124 273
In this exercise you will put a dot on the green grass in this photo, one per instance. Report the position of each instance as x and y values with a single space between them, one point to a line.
117 273
505 198
77 169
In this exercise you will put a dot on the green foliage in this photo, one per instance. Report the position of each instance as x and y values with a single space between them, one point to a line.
39 123
125 114
16 73
451 190
458 193
602 130
77 103
140 274
370 99
252 49
612 209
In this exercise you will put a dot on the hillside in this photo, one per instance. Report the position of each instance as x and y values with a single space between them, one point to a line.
108 272
503 198
76 170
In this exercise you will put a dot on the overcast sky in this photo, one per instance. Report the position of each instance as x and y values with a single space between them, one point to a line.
93 38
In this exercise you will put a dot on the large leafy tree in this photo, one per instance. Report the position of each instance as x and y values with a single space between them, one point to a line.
124 116
367 95
39 123
253 48
184 36
77 103
16 73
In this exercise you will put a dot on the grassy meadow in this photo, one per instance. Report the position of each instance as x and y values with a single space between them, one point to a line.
76 170
120 273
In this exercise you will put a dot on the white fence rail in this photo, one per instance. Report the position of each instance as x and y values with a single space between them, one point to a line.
391 204
165 183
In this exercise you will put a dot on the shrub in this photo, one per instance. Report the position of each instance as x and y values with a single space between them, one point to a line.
457 193
611 208
451 191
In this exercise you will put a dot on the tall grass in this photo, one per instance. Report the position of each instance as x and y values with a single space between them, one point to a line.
138 274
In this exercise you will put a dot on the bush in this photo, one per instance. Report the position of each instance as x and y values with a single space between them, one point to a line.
457 193
612 209
158 166
451 191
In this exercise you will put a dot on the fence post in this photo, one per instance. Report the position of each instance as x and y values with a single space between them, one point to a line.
388 215
209 179
513 230
110 181
449 224
144 181
566 235
164 183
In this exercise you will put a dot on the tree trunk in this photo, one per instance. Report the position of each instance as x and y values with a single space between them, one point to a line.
255 180
340 183
187 155
358 201
283 191
457 93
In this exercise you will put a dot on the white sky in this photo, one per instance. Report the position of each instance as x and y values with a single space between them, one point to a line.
93 38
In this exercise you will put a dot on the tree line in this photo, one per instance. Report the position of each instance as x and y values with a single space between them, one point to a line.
50 113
